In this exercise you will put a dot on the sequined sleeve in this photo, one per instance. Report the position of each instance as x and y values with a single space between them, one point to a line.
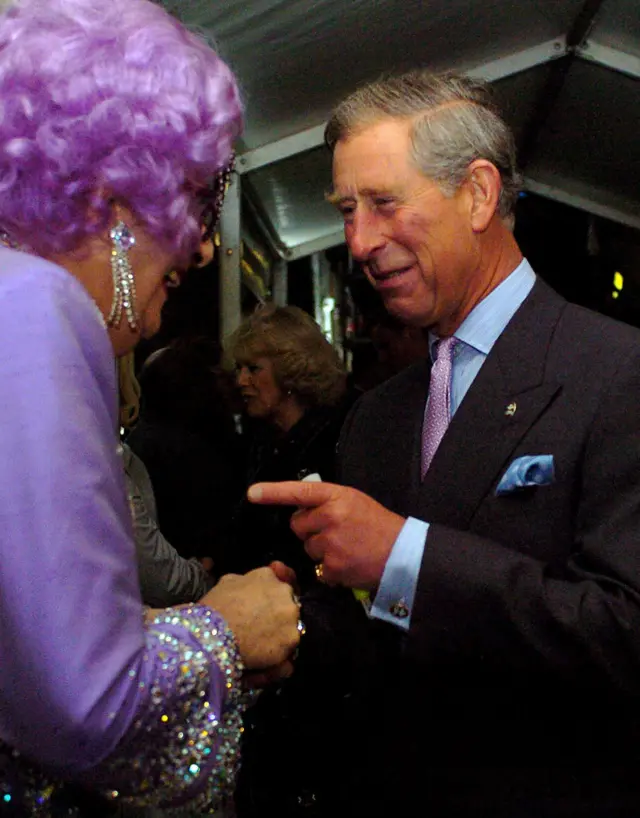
181 753
82 674
183 747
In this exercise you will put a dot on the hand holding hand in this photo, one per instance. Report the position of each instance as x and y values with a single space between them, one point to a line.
285 574
346 530
261 611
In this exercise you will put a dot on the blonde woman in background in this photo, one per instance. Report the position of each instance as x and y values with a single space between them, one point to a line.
293 386
294 389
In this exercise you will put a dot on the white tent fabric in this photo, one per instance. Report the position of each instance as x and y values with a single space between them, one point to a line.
566 72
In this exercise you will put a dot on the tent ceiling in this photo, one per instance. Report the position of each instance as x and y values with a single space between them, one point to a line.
618 26
566 72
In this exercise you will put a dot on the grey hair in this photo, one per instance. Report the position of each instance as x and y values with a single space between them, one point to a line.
455 121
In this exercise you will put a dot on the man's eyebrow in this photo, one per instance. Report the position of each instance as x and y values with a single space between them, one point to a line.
335 198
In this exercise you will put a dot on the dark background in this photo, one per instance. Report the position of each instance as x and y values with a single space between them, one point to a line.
576 253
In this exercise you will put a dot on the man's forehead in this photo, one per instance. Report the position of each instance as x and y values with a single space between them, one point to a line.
352 181
369 162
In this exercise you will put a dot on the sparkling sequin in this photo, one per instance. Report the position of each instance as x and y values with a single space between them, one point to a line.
179 751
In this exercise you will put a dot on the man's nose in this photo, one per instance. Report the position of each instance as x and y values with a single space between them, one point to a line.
363 236
242 376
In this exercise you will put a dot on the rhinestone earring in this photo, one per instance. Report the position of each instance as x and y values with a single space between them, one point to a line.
124 285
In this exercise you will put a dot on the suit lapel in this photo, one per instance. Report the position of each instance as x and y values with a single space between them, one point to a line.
508 395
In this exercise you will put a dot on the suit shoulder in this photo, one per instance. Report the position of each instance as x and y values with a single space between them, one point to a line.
599 331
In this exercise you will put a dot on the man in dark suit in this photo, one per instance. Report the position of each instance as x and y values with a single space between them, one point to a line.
504 544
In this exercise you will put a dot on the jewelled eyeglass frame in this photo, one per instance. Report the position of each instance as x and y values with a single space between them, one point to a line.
212 199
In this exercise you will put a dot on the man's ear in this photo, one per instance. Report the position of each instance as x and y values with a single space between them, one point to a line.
484 183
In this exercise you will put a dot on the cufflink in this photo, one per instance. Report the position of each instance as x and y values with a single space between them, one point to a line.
399 609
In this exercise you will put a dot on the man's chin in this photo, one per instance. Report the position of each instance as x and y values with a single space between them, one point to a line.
408 314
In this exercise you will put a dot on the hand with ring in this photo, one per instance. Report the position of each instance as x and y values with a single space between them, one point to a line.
347 533
263 614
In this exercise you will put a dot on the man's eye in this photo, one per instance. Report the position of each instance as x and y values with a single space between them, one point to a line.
383 201
346 211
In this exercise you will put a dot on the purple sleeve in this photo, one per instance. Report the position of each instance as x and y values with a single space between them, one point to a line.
81 674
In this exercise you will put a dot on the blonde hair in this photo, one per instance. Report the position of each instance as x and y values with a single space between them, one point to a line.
129 390
304 362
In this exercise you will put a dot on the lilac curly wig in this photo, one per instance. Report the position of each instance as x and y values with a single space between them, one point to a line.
101 100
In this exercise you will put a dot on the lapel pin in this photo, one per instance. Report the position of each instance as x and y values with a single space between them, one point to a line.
511 410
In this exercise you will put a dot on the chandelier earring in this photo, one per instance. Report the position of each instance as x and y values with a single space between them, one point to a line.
124 285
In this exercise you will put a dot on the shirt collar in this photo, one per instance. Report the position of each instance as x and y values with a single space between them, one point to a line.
488 319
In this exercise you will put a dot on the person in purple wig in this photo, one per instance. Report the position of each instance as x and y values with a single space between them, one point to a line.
116 132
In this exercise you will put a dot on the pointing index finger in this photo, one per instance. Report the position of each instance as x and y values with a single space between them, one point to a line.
290 493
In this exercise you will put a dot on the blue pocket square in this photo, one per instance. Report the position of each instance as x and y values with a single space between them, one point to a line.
530 470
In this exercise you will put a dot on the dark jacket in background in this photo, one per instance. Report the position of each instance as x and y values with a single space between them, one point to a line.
260 534
196 481
301 736
186 438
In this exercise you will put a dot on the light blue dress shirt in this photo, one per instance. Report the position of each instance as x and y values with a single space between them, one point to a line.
476 336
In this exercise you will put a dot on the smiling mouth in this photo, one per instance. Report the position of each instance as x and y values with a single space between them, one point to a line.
378 275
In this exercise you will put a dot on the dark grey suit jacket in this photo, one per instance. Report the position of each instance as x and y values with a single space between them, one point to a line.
521 672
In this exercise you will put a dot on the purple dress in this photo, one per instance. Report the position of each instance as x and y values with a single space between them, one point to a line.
149 714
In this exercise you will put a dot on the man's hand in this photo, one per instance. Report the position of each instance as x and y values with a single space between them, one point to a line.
285 574
261 611
351 534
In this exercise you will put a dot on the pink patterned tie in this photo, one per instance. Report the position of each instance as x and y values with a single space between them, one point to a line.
436 418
